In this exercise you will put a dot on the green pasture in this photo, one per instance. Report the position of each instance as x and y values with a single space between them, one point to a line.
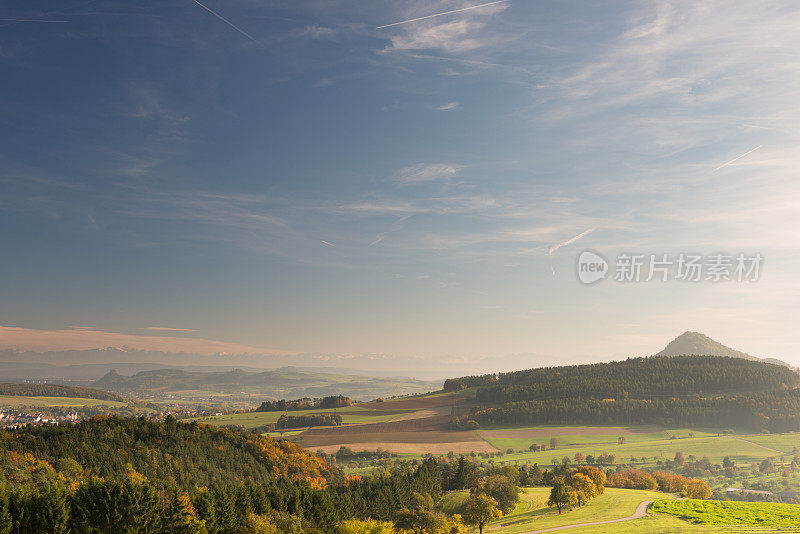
653 524
350 415
743 449
599 436
784 443
730 512
532 512
666 515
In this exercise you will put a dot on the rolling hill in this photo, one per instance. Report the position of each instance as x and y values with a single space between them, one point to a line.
56 390
700 344
285 382
710 391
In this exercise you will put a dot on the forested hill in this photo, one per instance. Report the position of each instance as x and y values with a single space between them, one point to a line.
190 455
710 391
57 390
633 378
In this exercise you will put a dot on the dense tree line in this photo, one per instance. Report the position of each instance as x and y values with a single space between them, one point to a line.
57 390
302 421
333 401
708 391
134 504
184 455
90 478
691 488
775 412
635 377
111 475
346 453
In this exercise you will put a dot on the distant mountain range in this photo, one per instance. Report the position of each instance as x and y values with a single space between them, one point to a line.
702 345
282 383
91 364
152 374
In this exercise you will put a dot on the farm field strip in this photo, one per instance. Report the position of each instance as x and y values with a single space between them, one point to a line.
350 415
715 448
743 449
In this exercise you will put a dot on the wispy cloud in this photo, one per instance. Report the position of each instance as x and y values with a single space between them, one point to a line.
168 329
450 106
315 31
84 339
463 34
35 20
427 172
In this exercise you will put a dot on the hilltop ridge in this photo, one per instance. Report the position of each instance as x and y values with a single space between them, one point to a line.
700 344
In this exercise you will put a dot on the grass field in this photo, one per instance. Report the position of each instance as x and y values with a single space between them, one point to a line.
744 449
532 512
569 436
16 401
654 524
350 415
731 513
613 504
666 516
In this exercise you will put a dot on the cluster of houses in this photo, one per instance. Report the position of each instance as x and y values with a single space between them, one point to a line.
15 418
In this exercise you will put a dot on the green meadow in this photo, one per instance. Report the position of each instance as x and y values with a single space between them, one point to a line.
350 415
649 449
730 512
532 512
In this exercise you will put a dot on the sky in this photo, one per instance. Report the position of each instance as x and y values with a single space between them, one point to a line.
336 180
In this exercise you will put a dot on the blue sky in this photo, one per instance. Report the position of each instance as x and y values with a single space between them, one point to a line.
294 180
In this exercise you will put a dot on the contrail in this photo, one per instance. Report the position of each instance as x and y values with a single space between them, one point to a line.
12 22
570 241
396 225
32 20
738 157
440 14
229 23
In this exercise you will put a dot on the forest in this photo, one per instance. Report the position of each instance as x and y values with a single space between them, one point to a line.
172 477
333 401
711 391
190 478
57 390
773 412
301 421
635 377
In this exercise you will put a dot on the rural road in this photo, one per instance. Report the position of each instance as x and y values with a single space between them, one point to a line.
641 511
763 446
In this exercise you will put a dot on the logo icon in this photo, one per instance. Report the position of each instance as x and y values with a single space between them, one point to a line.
592 267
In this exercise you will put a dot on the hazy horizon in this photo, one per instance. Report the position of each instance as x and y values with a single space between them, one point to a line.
338 184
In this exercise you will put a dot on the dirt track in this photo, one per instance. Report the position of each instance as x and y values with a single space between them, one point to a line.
641 511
